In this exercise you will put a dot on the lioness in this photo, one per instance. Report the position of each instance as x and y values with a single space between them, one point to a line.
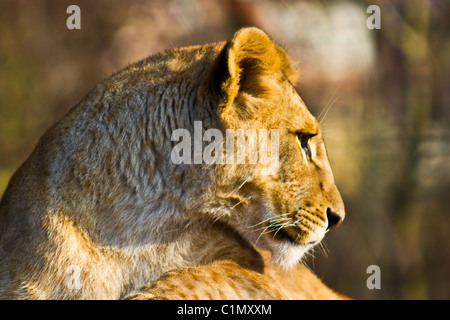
99 209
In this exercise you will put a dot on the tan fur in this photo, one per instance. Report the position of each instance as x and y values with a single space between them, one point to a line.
100 194
223 280
227 280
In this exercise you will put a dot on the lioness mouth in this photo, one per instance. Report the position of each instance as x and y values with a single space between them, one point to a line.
283 234
289 234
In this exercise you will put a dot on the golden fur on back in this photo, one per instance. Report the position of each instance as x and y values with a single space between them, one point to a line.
99 202
227 280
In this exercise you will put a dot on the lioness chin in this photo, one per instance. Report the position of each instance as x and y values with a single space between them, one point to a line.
100 209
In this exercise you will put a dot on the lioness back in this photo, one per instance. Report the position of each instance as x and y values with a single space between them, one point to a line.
140 178
226 280
222 280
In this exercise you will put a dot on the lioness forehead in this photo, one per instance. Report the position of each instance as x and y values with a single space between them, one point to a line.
298 116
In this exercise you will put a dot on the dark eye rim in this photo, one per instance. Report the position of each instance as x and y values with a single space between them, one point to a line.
304 139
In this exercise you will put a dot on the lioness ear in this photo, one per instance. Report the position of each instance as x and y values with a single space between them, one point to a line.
250 55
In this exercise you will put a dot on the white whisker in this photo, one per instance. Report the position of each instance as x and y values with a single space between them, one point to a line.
238 188
270 220
327 108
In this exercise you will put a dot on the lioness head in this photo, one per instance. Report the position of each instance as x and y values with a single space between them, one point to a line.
286 206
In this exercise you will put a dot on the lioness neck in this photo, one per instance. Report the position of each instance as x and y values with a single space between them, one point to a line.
199 244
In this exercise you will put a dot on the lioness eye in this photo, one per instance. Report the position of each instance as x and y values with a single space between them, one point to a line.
304 143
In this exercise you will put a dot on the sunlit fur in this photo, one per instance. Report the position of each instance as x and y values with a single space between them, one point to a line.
100 192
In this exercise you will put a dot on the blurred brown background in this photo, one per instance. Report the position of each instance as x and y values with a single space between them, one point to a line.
385 94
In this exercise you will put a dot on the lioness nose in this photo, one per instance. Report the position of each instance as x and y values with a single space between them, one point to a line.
333 219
